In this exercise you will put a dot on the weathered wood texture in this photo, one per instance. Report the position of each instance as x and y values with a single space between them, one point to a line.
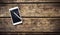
40 24
5 1
31 25
14 33
39 10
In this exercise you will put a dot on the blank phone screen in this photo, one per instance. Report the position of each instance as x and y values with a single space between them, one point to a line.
14 17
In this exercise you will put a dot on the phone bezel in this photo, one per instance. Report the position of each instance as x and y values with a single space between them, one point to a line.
12 18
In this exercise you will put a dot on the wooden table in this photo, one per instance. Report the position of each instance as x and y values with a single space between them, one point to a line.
39 16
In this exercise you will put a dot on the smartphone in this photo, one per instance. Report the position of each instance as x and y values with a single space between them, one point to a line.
16 17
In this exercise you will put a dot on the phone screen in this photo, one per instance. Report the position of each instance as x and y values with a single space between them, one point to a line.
15 15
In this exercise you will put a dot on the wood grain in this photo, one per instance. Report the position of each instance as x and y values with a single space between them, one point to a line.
38 10
31 25
9 1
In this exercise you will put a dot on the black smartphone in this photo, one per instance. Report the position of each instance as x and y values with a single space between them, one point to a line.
16 18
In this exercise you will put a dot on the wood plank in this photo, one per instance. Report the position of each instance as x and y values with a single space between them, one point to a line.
41 10
9 1
29 33
31 25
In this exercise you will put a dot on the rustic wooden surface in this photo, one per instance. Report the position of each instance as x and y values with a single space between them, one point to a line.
5 1
38 16
31 25
38 10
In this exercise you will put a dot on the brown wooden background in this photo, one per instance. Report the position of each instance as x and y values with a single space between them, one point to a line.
38 16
